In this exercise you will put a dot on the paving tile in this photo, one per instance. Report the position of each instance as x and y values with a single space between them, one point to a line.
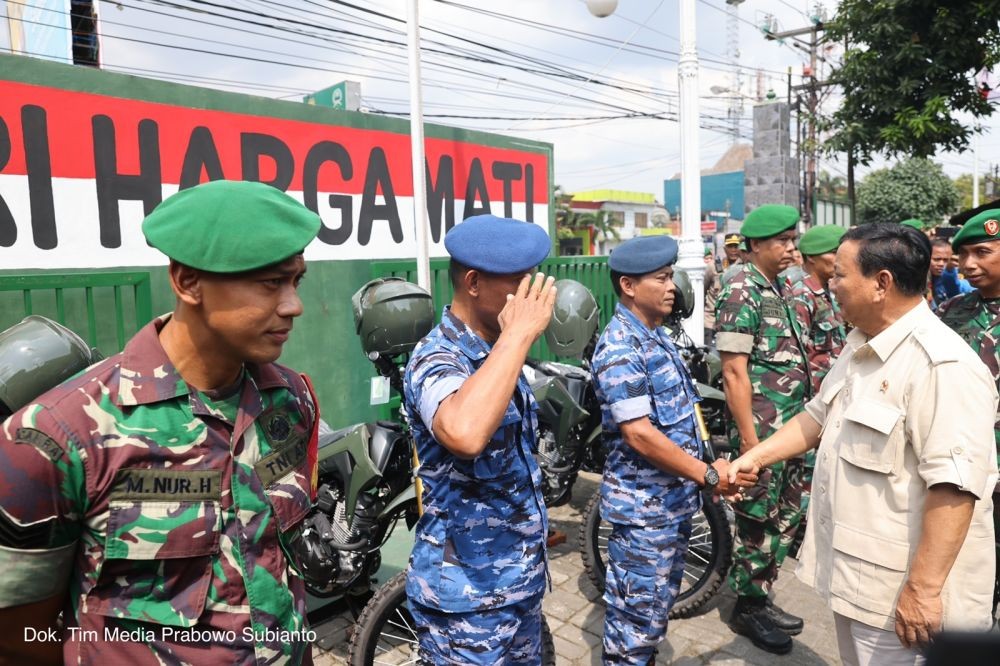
575 614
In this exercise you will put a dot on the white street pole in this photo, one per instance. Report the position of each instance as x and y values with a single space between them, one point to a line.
975 169
692 252
420 221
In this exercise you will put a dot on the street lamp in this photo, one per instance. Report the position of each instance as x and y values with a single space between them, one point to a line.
692 254
420 221
602 8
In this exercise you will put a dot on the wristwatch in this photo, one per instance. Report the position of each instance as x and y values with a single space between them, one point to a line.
711 478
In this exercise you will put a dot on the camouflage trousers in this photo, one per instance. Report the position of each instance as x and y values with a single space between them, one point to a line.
766 524
645 569
492 636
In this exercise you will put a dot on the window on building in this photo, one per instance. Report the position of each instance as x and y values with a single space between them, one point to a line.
617 218
641 220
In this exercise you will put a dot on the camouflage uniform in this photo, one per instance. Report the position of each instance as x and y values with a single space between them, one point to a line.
977 320
480 544
753 318
824 335
638 373
167 509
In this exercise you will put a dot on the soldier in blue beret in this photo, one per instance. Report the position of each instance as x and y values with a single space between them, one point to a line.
654 470
478 567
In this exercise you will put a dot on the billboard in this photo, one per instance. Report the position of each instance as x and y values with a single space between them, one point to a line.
81 165
40 29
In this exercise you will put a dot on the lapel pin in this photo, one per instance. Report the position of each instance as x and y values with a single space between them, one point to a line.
884 387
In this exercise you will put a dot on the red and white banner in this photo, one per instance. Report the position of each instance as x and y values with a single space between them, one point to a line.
79 171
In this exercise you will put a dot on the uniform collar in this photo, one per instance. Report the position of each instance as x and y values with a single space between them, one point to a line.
814 284
888 340
632 320
468 342
147 375
757 277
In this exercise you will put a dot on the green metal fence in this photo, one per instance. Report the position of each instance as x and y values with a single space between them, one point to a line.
592 272
82 302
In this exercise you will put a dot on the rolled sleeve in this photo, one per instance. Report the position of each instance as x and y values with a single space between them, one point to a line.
620 374
433 395
630 409
736 343
816 409
42 501
953 432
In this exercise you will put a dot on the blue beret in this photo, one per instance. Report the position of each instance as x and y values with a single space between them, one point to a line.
643 254
497 244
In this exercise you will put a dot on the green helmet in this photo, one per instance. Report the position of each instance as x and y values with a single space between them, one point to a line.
683 295
391 315
574 319
36 355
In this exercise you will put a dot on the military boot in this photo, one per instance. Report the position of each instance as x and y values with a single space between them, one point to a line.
788 623
751 619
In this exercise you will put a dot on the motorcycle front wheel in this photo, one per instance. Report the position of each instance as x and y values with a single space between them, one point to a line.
709 556
386 633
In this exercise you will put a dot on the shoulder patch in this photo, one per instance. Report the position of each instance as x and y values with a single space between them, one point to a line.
940 348
40 441
636 389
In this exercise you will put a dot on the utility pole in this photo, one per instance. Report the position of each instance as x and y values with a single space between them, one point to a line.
733 56
811 86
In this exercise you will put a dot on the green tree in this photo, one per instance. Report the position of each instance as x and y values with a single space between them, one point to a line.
829 187
908 74
964 185
602 224
914 188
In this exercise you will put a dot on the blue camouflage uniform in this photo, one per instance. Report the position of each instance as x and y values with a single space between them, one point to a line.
638 372
478 567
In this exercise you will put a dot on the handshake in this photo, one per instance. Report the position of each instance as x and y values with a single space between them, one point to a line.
732 482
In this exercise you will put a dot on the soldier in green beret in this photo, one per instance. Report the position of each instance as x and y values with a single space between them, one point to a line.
156 497
823 331
914 223
766 380
976 315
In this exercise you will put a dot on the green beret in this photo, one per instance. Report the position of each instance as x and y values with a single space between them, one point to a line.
915 223
743 247
230 226
769 220
821 239
983 227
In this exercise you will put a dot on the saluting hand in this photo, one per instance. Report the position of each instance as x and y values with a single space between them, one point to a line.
529 310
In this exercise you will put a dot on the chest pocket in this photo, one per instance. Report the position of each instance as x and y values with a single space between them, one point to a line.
872 440
774 341
162 533
284 472
825 336
671 404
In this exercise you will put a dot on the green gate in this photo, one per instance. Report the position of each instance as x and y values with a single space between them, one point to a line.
84 302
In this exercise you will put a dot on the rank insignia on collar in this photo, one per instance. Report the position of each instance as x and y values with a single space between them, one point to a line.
884 386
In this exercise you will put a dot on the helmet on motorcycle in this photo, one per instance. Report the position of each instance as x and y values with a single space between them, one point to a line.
36 355
574 319
683 295
391 315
